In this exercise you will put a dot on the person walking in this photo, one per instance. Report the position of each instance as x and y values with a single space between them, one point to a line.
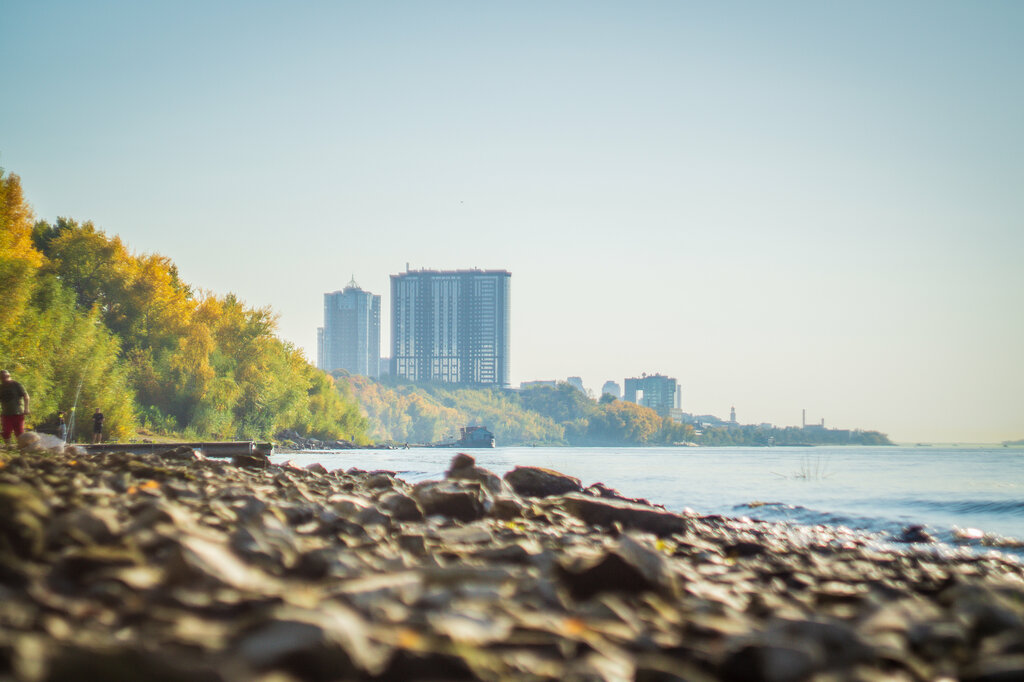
12 414
97 426
62 427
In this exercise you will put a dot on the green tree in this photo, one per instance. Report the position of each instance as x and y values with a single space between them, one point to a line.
88 318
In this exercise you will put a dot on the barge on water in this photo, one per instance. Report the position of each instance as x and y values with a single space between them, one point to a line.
471 437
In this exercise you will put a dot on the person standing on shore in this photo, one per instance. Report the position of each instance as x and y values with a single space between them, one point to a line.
62 427
11 412
97 426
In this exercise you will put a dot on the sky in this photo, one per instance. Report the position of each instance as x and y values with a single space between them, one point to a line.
786 206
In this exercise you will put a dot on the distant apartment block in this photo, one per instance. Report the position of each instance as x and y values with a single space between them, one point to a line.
577 383
350 337
658 392
451 326
613 389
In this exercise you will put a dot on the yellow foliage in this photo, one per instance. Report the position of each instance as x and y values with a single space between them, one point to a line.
19 259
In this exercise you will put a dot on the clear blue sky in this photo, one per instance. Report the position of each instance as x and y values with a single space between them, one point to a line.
785 205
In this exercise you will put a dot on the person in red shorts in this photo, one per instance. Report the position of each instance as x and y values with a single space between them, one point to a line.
11 413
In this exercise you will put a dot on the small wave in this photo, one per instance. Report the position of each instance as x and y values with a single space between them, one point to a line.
795 513
975 536
886 529
410 476
1001 507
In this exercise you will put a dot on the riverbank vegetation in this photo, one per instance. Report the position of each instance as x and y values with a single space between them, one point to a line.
87 323
751 435
403 412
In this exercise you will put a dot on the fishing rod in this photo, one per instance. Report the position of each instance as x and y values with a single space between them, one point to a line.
74 406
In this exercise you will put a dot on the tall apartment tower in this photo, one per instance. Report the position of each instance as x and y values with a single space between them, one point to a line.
659 392
350 337
451 326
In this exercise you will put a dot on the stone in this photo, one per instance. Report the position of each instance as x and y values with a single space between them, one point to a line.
400 507
607 572
380 479
463 468
329 643
608 512
744 549
23 517
85 527
996 669
768 663
461 461
507 507
539 482
460 500
208 562
472 626
255 460
650 562
914 534
839 644
124 663
183 454
601 490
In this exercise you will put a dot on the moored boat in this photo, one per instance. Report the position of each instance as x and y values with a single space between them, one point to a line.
471 437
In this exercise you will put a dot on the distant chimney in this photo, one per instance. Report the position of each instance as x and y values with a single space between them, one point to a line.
803 419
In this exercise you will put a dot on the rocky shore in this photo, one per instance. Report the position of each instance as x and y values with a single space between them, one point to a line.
176 567
292 441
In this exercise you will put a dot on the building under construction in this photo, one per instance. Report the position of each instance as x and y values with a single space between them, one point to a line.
451 326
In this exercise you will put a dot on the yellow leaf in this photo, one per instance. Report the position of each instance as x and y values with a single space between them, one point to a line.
409 639
573 626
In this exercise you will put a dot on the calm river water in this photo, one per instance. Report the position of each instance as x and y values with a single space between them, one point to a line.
876 489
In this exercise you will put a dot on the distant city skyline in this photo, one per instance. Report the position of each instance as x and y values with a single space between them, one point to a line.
788 205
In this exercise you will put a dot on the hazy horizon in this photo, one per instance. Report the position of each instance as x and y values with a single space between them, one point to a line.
785 206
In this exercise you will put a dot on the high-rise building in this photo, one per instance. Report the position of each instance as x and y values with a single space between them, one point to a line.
350 337
577 383
613 389
451 326
659 392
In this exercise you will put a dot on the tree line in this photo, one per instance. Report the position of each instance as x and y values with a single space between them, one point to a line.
789 435
87 323
403 412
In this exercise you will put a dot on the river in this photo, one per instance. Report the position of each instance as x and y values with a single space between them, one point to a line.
879 490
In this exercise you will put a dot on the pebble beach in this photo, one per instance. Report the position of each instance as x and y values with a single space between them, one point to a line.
172 566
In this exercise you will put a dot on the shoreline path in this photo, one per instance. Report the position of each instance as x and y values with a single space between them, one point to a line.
175 567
